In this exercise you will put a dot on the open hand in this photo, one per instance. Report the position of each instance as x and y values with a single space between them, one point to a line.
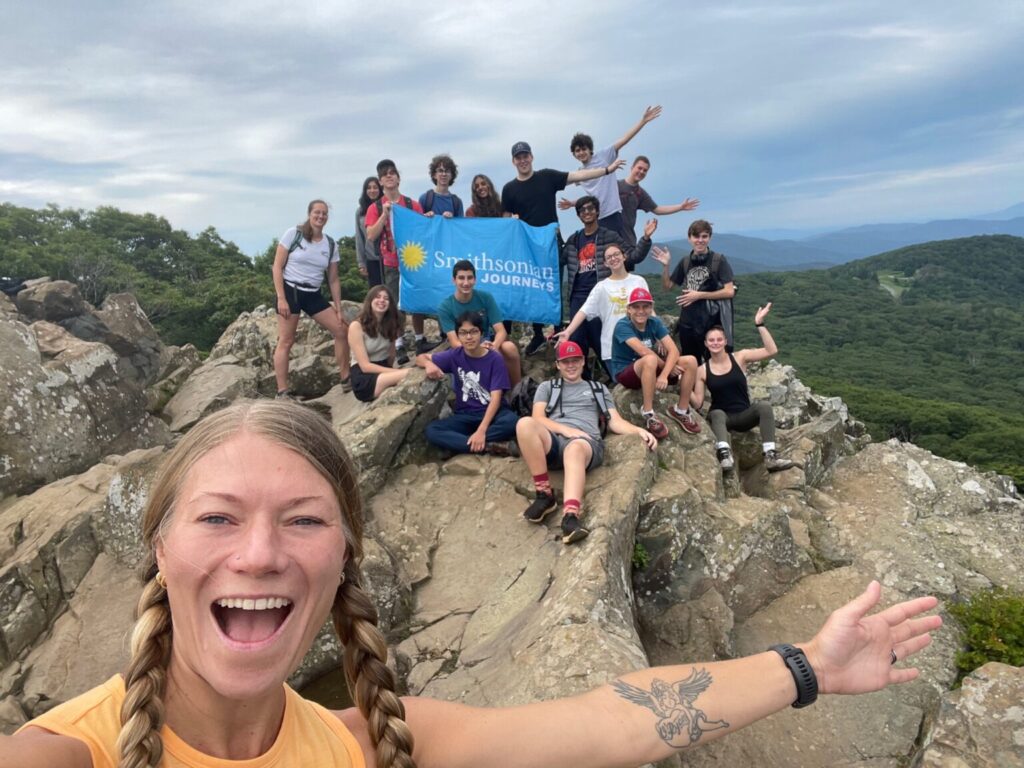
650 113
661 255
649 226
648 439
686 298
762 312
689 204
852 652
565 204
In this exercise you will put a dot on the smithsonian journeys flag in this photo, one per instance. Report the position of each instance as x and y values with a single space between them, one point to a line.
515 263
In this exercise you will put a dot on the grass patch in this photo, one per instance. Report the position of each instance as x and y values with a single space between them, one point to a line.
993 624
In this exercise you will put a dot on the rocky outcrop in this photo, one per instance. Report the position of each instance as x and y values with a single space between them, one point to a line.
981 725
681 563
63 405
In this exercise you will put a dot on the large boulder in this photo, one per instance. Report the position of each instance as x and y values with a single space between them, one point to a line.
62 412
980 725
54 300
121 324
214 385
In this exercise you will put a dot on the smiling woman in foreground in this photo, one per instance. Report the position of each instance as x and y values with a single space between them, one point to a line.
254 535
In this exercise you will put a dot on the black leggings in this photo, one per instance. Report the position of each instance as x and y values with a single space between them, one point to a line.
759 414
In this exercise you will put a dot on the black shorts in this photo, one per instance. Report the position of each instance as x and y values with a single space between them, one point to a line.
690 344
310 302
363 384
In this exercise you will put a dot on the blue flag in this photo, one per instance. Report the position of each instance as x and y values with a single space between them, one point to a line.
516 263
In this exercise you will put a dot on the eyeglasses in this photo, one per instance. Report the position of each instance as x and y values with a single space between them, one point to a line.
468 333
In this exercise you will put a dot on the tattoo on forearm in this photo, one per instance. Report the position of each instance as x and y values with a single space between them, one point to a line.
680 723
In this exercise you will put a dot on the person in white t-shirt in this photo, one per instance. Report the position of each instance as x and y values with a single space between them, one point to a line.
607 301
304 254
605 188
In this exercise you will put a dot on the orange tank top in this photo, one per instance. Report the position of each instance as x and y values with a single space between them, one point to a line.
310 735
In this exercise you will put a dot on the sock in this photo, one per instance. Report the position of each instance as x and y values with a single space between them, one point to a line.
571 507
542 483
768 447
683 411
721 444
645 414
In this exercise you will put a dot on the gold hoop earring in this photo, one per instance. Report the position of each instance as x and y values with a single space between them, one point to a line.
159 579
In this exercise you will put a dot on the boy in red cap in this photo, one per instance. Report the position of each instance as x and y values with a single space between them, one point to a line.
564 430
636 363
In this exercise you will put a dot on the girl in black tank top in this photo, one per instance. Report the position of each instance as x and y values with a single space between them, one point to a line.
729 391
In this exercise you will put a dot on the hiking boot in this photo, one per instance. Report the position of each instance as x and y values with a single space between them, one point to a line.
775 463
572 529
285 394
686 421
503 448
401 357
542 506
424 345
656 426
724 458
536 345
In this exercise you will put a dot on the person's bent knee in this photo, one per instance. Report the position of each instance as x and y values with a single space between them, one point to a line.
579 450
688 363
647 361
527 425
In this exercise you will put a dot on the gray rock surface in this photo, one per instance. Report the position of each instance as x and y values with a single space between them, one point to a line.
981 725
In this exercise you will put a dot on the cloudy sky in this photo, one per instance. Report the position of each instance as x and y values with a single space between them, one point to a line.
777 115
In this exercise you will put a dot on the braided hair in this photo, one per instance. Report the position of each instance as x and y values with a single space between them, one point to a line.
354 616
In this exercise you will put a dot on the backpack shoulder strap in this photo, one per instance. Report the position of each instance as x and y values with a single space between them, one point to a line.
554 397
295 241
599 398
408 203
716 263
379 206
333 247
428 201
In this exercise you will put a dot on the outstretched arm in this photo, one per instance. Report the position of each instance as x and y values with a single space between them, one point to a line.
687 205
649 715
767 350
594 173
649 114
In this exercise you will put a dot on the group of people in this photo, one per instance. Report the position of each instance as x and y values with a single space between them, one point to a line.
252 530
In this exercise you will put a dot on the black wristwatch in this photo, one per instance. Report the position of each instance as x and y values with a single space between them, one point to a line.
803 675
759 325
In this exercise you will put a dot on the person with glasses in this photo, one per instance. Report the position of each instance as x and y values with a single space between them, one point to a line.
482 421
584 258
441 201
564 431
468 299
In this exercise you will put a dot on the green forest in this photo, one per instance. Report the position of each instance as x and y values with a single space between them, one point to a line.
925 343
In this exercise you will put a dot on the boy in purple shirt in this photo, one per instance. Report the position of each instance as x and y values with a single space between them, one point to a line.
482 420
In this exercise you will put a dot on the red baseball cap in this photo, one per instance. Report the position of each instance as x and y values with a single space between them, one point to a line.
639 295
568 349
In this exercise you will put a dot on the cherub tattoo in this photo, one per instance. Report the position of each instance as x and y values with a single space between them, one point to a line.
681 723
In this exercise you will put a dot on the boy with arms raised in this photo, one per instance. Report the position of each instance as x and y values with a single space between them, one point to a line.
637 365
468 299
565 431
633 197
530 196
482 421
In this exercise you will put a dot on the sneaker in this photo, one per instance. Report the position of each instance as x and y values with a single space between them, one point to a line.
541 507
346 385
536 345
503 448
724 458
656 427
424 345
685 420
572 529
284 394
401 356
775 463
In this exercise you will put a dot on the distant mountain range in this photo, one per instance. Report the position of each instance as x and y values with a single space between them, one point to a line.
819 251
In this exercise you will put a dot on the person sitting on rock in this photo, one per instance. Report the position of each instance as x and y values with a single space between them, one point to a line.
565 431
252 536
304 253
371 337
636 363
724 375
468 298
482 420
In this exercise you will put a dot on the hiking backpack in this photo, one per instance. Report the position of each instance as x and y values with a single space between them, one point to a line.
330 241
603 412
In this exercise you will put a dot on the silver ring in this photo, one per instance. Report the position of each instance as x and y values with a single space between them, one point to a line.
892 656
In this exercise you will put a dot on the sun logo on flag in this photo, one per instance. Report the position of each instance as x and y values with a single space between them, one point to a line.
412 255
